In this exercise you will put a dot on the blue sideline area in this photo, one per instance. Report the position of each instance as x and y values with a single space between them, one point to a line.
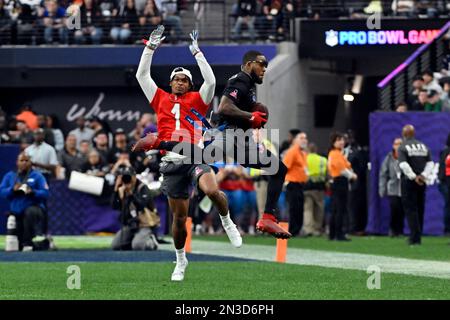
107 56
106 256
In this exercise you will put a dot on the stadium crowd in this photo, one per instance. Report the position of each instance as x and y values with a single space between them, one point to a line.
430 92
128 21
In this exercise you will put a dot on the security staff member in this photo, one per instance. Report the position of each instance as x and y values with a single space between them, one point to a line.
416 166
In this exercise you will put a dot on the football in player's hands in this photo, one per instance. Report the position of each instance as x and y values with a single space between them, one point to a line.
258 106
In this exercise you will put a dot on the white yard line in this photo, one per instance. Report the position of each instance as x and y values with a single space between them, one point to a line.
354 261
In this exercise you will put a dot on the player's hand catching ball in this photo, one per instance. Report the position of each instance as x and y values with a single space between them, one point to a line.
194 45
156 38
258 119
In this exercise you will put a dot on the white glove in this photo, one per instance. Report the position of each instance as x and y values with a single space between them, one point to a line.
194 45
156 38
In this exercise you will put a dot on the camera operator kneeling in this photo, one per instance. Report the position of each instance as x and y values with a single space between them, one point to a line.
134 200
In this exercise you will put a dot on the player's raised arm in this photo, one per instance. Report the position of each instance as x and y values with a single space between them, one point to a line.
143 72
209 84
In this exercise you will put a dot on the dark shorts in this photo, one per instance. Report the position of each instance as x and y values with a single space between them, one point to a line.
177 178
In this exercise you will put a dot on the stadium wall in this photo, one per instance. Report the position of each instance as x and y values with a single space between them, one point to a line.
431 129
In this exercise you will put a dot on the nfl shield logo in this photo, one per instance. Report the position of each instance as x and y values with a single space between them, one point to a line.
198 171
234 94
331 38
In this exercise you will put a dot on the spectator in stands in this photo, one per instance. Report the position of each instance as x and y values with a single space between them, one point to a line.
146 120
5 24
120 145
274 12
434 102
427 8
108 8
340 171
22 134
27 191
401 107
54 21
90 15
152 13
4 134
70 158
389 185
28 116
127 20
417 86
404 8
430 83
43 156
94 165
53 124
140 6
314 192
26 23
48 133
445 97
286 144
82 132
296 177
246 11
85 147
137 213
102 147
148 20
171 19
98 125
422 100
444 182
328 9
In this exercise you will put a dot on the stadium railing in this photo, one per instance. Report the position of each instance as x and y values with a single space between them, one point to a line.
213 18
395 87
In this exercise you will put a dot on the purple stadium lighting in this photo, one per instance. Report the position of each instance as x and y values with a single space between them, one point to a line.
411 58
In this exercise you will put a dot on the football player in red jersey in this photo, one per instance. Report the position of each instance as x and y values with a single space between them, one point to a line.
171 110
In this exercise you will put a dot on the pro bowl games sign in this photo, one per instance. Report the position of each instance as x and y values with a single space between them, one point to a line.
352 38
379 37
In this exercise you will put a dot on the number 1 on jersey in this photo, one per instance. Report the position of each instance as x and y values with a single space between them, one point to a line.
176 112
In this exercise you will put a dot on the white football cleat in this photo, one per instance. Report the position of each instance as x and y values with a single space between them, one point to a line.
233 234
178 273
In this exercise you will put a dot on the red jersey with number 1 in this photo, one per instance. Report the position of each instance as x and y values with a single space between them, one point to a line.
171 111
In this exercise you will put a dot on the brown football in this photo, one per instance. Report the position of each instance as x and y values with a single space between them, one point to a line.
258 106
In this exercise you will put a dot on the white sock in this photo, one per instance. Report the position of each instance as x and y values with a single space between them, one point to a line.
226 220
181 255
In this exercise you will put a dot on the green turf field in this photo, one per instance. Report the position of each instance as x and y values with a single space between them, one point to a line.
227 280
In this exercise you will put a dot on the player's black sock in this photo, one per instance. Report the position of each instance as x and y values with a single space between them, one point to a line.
274 189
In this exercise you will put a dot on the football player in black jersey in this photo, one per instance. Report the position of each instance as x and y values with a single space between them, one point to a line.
235 142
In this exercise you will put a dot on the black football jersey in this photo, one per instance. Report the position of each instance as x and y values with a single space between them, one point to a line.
241 89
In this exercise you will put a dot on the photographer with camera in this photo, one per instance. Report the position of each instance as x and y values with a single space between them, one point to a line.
27 191
137 212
